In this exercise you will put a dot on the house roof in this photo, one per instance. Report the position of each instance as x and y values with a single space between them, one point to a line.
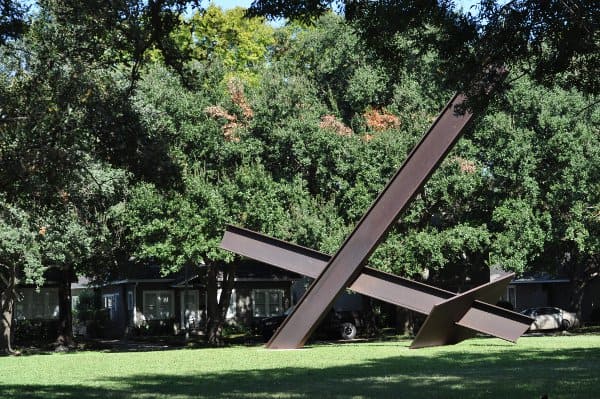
541 278
135 272
247 270
250 270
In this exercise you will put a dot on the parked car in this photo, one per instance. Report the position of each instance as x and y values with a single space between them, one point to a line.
550 318
339 324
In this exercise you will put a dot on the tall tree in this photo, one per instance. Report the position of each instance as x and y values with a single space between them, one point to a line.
223 181
19 259
12 20
546 40
67 125
240 44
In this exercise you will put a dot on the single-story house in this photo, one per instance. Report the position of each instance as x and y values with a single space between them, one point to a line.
541 290
36 313
141 299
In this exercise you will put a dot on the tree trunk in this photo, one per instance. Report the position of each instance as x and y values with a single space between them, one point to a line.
7 302
216 307
6 336
576 300
583 271
212 325
64 340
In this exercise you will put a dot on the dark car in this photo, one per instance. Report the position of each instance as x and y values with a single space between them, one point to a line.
337 323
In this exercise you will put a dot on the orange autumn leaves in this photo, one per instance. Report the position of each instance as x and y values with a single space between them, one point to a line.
376 120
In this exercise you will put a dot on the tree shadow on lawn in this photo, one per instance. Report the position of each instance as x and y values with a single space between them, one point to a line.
500 373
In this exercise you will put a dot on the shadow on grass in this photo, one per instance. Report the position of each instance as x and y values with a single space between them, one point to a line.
562 373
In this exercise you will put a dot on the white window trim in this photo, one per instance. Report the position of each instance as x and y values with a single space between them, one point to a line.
50 304
171 295
267 291
196 312
114 297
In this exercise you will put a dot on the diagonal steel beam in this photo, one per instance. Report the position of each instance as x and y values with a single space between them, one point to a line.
345 266
422 298
377 284
452 320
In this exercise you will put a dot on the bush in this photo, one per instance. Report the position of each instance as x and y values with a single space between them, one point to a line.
87 307
35 331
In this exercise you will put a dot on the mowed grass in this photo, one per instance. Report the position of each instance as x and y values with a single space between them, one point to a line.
559 366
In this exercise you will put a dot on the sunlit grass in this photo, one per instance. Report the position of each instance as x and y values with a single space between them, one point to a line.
562 367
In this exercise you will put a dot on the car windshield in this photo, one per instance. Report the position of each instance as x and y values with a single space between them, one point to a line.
528 312
289 310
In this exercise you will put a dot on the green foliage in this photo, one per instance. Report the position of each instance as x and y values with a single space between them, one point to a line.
543 172
329 54
553 42
19 244
12 20
88 305
241 44
127 130
521 234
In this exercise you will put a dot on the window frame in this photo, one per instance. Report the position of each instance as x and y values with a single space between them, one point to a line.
190 317
49 298
130 300
145 309
267 304
111 299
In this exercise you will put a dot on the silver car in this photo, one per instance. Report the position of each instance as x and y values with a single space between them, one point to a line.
550 318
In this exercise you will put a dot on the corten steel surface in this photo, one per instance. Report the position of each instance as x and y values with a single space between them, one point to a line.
374 283
443 325
345 266
478 317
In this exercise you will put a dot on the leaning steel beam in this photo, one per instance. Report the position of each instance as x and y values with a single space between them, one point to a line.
422 298
345 266
379 285
452 320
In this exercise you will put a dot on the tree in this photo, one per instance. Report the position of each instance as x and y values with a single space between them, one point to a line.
543 158
12 20
550 41
223 181
240 44
491 202
67 128
19 258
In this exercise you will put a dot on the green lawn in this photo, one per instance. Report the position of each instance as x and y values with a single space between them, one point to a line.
561 366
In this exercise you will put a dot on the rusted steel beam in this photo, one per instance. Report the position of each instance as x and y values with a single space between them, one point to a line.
496 321
422 298
345 266
452 320
387 287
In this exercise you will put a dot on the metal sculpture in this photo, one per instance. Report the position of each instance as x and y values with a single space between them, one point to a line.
451 318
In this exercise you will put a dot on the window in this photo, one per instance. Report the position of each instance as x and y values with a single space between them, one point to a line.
190 311
111 302
547 311
42 305
74 302
158 305
512 296
267 303
129 300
